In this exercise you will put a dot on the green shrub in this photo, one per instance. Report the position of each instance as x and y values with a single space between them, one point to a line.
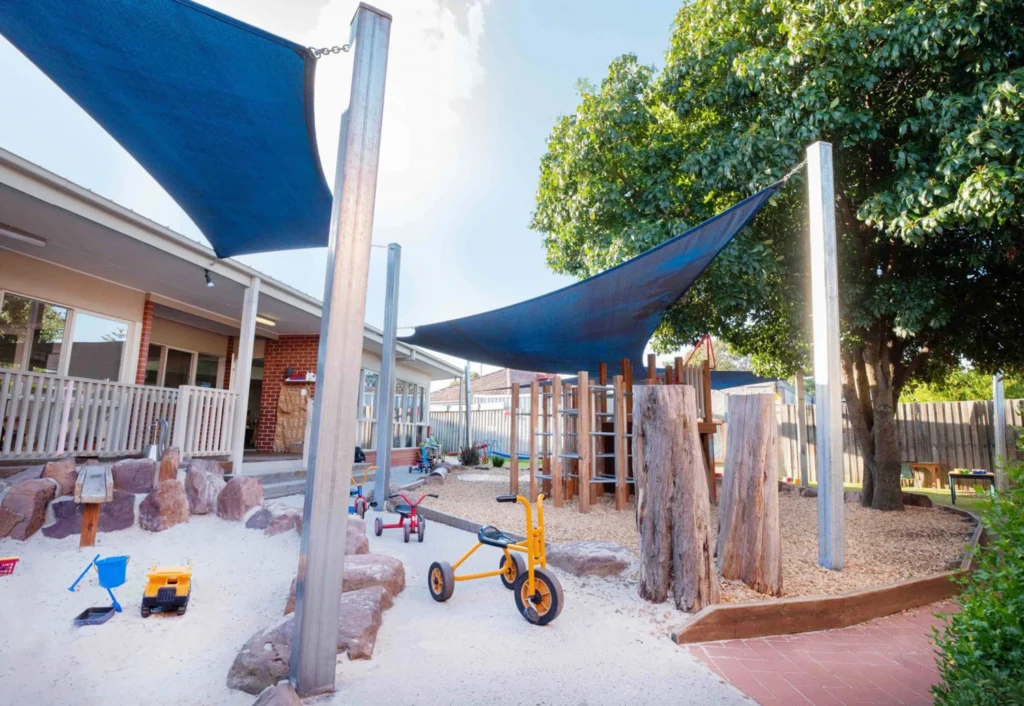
469 456
497 461
982 650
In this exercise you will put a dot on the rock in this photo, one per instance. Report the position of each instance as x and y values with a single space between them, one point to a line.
356 543
30 473
808 492
280 695
207 465
916 500
202 488
62 471
265 658
23 510
363 571
851 496
787 488
356 525
169 463
241 494
117 514
589 557
165 506
284 520
134 475
259 519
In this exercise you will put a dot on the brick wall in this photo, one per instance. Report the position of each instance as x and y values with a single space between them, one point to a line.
227 362
299 352
147 328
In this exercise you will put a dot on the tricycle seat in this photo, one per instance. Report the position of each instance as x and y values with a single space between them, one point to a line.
403 509
494 537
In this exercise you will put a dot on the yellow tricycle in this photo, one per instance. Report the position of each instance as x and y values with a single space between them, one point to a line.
537 591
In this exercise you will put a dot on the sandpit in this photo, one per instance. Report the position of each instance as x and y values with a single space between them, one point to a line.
881 547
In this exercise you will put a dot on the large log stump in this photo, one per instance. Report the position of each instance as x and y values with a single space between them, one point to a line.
749 543
673 510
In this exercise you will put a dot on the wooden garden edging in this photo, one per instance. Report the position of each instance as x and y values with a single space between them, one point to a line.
785 616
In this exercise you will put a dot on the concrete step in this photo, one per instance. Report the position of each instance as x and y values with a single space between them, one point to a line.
277 477
280 490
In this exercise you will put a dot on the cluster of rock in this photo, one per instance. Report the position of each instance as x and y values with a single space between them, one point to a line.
370 584
169 501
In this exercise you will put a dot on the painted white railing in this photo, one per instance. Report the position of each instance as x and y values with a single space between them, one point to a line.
205 429
44 416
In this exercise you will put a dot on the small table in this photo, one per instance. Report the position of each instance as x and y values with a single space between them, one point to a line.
954 477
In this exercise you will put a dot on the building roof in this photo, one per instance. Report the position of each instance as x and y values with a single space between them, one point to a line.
87 233
497 383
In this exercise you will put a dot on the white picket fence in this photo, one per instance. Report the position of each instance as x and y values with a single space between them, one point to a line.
206 429
45 416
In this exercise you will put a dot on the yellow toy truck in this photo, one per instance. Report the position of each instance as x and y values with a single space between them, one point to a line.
167 588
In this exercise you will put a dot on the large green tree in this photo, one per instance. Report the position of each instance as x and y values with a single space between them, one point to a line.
922 102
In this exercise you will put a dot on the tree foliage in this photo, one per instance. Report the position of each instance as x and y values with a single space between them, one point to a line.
922 103
960 386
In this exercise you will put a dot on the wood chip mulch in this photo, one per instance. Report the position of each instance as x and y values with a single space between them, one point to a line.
881 547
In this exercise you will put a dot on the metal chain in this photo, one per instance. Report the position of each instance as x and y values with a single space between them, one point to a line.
323 51
381 247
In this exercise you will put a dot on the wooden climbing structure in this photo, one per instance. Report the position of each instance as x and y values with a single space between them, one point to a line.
579 438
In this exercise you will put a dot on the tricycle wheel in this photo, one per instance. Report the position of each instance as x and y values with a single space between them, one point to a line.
441 581
361 508
378 526
182 609
517 569
421 527
145 612
546 602
407 531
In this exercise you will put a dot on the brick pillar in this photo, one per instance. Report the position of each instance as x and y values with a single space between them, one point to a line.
147 328
298 352
227 363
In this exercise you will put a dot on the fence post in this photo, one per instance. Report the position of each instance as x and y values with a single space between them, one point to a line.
999 431
181 415
801 430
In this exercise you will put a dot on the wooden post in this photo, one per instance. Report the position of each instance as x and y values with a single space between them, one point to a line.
749 543
513 453
999 431
93 487
621 459
597 489
652 369
827 377
534 403
708 440
90 522
583 438
678 365
801 429
673 509
556 441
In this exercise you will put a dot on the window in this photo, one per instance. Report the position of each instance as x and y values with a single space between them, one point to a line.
408 423
206 370
173 367
31 334
96 347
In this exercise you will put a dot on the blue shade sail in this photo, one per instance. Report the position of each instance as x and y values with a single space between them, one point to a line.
220 113
603 319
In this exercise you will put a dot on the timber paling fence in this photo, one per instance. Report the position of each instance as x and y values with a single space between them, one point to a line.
950 434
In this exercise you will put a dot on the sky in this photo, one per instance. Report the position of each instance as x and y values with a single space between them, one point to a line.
473 90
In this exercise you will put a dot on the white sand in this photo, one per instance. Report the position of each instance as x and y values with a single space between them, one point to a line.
607 647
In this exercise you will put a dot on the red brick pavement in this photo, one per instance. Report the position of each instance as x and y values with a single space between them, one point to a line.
886 661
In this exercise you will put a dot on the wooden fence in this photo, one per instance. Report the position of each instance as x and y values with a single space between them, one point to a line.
950 434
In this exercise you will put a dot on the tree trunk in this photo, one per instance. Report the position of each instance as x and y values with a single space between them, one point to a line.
673 506
749 543
881 489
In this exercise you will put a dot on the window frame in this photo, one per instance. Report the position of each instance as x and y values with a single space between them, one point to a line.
406 423
67 343
161 371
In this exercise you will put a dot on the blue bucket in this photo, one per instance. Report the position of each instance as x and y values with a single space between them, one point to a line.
112 571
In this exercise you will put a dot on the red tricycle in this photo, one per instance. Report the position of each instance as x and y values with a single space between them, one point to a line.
406 510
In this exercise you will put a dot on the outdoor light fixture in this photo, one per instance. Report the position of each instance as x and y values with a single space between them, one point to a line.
209 280
22 237
265 321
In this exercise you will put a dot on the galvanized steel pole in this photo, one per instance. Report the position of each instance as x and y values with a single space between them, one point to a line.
322 549
827 381
468 397
386 384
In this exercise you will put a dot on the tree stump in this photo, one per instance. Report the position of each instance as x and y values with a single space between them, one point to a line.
673 508
749 543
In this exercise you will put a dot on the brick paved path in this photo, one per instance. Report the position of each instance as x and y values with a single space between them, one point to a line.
886 661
